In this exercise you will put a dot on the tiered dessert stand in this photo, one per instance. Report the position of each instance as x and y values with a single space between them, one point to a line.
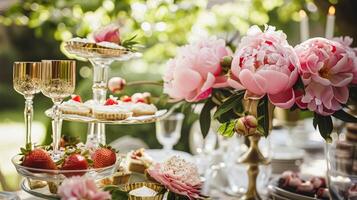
101 57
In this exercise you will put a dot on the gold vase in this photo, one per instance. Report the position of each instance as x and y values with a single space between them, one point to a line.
253 157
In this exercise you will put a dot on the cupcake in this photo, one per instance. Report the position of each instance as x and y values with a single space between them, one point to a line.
139 161
111 111
144 191
74 106
140 109
121 176
139 104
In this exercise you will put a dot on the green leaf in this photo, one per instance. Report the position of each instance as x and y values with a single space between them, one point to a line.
344 116
119 195
227 129
314 122
263 115
171 196
229 104
324 123
205 117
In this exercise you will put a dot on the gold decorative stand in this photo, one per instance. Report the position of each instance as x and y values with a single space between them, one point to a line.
253 157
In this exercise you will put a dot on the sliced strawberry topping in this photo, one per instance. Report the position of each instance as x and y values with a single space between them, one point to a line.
126 99
77 98
111 101
141 100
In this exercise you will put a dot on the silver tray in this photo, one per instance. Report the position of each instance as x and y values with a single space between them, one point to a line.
281 194
130 120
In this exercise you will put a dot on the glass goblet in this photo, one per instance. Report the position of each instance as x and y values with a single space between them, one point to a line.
58 80
168 130
27 81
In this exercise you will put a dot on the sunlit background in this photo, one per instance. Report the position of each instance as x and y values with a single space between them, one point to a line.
35 30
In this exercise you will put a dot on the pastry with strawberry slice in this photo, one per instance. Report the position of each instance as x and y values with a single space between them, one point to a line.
75 106
111 110
104 156
139 104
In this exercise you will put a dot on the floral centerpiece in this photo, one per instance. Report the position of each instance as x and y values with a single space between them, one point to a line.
318 75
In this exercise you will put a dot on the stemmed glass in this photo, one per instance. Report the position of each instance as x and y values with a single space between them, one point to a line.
57 82
168 130
27 81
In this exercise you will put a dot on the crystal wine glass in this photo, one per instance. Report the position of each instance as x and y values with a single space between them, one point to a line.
57 82
27 81
168 130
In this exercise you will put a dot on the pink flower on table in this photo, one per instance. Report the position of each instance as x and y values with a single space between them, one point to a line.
195 70
178 176
108 33
265 63
347 42
80 188
327 68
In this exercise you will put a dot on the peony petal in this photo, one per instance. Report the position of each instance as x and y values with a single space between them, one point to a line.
321 80
235 84
341 94
252 82
187 80
284 99
298 99
341 66
341 79
221 81
275 81
208 83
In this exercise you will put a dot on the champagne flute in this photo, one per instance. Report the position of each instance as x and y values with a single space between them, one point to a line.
27 81
168 130
57 82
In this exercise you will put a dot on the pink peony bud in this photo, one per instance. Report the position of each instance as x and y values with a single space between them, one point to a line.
116 84
108 33
246 125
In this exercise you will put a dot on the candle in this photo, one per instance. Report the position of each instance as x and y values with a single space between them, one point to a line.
330 24
304 26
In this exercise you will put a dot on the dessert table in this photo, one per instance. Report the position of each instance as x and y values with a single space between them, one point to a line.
314 164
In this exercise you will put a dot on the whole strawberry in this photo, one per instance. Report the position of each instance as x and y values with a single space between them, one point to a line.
37 158
104 156
75 161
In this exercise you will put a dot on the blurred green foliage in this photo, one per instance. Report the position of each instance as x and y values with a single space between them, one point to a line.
161 26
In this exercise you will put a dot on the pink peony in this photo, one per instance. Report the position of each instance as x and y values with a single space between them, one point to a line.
79 188
347 42
326 70
178 176
195 70
265 64
108 33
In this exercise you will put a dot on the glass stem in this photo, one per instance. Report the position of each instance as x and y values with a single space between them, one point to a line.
168 147
56 130
96 131
28 114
